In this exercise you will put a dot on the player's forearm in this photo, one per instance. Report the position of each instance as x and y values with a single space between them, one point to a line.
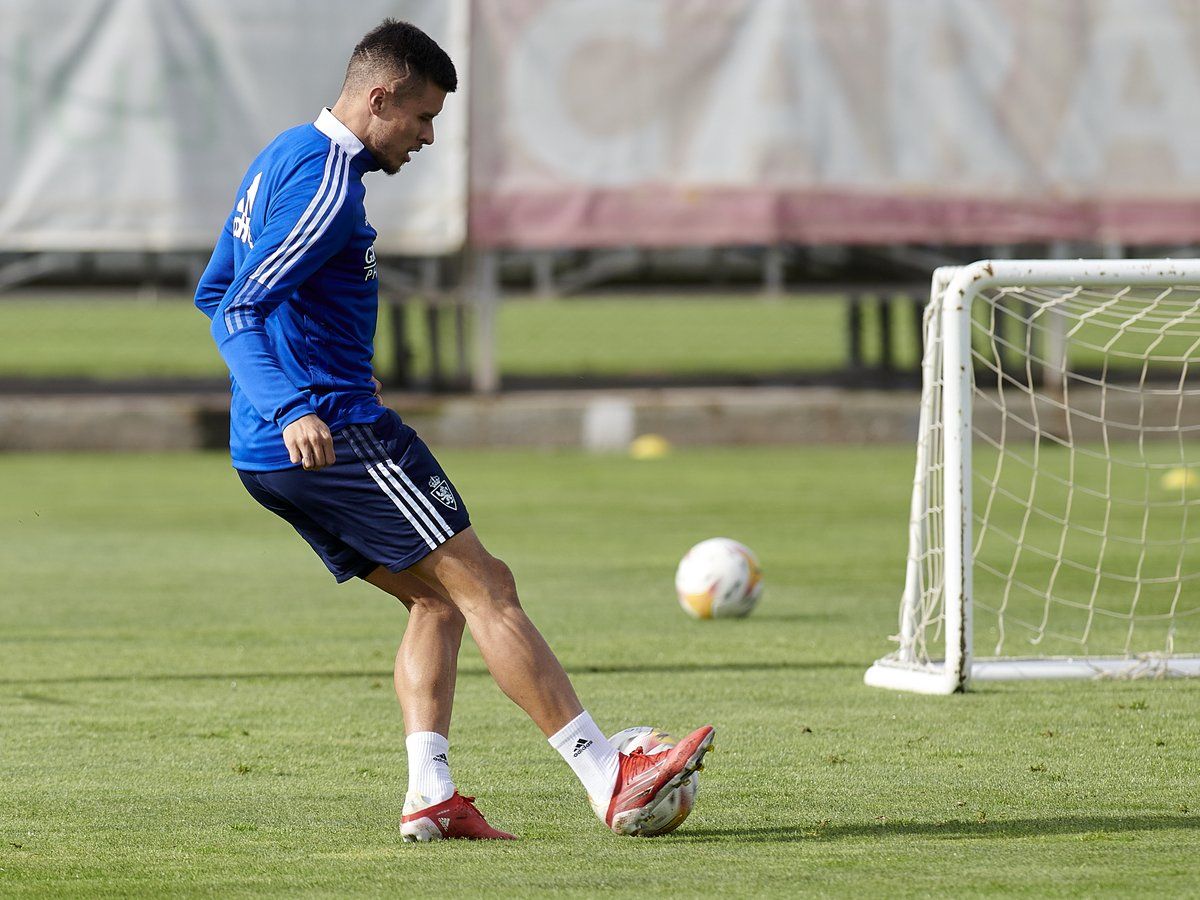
255 367
218 275
208 298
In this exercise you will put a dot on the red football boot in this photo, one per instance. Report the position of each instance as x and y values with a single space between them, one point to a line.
642 780
453 818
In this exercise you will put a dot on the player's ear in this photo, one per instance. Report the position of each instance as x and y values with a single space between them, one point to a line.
377 98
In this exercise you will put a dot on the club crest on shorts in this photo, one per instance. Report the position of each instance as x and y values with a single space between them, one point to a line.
440 488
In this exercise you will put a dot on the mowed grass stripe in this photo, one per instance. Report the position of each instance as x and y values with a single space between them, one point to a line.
111 337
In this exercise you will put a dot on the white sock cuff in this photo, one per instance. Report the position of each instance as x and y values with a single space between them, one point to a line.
576 725
429 778
426 742
591 757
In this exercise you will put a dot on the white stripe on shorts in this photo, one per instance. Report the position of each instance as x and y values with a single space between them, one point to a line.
379 453
421 496
390 469
388 484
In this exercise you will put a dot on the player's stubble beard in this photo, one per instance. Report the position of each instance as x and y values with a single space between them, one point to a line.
390 166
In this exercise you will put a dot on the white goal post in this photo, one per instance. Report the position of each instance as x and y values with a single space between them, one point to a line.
1055 513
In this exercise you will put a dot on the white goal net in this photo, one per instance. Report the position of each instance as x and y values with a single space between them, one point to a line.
1055 522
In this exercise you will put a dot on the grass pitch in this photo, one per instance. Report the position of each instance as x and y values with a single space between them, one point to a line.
189 706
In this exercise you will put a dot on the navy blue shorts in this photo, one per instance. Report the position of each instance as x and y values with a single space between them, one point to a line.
384 502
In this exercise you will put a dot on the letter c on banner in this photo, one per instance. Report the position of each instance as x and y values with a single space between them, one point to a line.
544 123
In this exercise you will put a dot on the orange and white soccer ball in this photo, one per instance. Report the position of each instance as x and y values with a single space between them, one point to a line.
672 809
718 578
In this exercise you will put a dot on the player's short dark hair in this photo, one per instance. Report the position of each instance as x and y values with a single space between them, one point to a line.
405 49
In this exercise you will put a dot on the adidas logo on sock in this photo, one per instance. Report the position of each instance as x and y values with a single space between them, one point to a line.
441 757
581 745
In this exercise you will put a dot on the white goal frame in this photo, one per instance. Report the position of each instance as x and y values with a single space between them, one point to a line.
958 287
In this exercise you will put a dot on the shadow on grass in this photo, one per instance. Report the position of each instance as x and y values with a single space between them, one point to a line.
1097 828
465 672
669 667
822 618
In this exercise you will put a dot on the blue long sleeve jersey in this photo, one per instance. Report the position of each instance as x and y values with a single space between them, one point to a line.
292 291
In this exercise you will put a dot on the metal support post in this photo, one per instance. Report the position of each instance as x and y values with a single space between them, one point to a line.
485 298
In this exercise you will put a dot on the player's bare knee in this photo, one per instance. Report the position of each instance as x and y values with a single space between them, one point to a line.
438 610
502 586
493 591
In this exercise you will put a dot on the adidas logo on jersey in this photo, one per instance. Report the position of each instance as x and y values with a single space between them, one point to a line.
245 206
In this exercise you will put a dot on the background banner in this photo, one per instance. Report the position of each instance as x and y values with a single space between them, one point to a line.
695 122
128 124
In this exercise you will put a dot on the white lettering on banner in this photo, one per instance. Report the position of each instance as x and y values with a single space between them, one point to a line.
947 63
820 120
626 121
745 123
1108 114
538 107
123 122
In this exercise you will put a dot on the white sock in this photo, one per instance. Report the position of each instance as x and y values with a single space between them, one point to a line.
429 779
589 754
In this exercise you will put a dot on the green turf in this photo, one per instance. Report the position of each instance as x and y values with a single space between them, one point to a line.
112 337
105 338
672 336
190 707
1096 530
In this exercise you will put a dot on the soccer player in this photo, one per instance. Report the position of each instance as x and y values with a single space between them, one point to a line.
291 289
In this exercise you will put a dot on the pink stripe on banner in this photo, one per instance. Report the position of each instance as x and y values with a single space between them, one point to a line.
668 217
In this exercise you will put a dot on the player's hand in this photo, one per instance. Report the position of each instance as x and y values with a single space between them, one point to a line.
309 442
378 390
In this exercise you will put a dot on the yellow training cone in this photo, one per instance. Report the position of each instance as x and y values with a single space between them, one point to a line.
649 446
1180 479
